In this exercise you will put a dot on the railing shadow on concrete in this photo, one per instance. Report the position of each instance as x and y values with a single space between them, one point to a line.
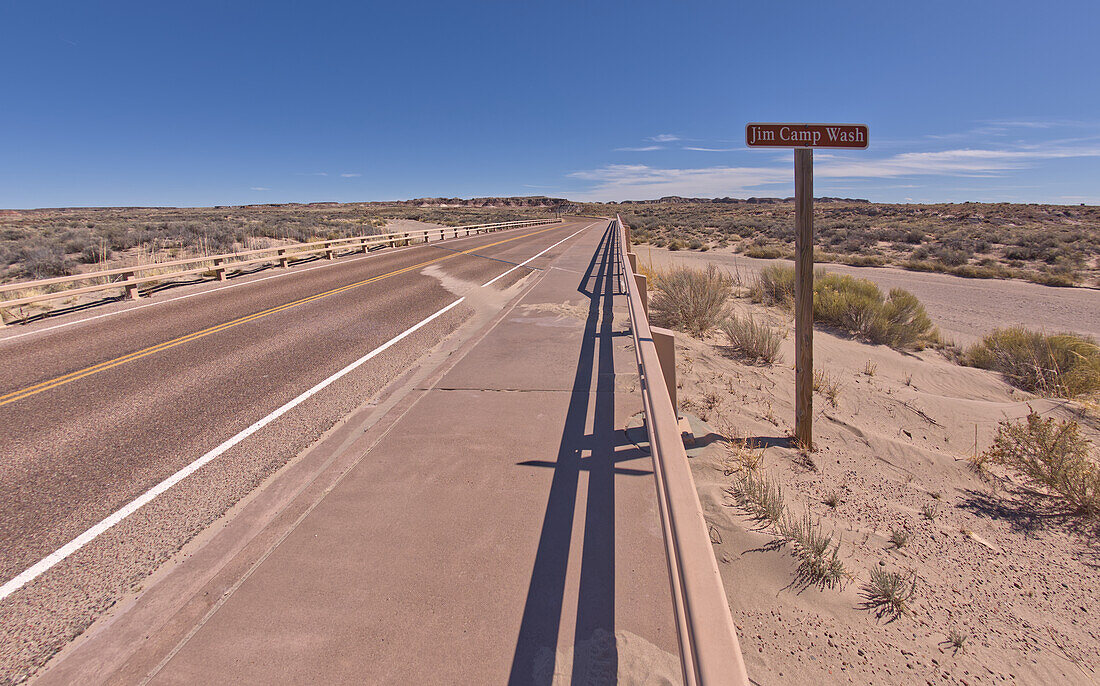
534 659
130 279
709 650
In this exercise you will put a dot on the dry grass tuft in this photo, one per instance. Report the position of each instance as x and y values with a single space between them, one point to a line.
827 386
898 538
1052 455
889 593
752 340
691 300
929 512
1062 365
817 552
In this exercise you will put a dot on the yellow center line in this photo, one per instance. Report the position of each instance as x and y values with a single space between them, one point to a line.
103 366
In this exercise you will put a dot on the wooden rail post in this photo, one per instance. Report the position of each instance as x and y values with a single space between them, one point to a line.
219 270
804 296
641 281
329 252
284 261
633 259
130 287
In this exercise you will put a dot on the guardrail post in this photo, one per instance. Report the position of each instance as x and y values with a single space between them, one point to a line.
362 245
633 259
641 281
219 271
329 252
665 343
284 261
130 286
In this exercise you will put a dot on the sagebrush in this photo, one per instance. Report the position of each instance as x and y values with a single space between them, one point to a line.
1053 456
858 306
691 300
752 340
1061 365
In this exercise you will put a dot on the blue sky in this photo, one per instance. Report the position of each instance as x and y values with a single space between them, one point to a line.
113 103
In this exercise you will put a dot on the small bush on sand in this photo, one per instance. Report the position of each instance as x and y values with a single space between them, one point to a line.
855 305
774 285
898 538
1062 365
889 593
1052 455
818 554
752 340
691 300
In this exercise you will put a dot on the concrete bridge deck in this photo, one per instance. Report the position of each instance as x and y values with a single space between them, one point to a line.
488 522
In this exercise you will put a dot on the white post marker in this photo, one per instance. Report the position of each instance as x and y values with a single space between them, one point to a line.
804 138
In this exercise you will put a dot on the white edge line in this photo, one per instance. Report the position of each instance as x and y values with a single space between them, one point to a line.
491 282
289 272
88 536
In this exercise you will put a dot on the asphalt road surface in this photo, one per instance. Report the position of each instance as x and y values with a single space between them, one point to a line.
99 407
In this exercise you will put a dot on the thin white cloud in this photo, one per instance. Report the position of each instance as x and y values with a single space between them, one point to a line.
350 175
258 188
644 148
625 181
664 138
689 147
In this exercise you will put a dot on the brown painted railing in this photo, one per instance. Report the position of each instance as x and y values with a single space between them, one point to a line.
132 278
710 653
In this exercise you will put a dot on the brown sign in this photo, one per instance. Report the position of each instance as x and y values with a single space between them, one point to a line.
806 135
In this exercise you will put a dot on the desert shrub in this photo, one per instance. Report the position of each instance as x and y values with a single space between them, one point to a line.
1062 365
45 262
863 260
858 306
752 340
691 300
855 305
889 593
695 244
764 252
1052 455
818 554
906 324
1062 278
774 285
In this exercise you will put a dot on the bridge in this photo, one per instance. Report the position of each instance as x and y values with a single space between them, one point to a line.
394 458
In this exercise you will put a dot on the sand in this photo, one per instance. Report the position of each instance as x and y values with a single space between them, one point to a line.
1021 585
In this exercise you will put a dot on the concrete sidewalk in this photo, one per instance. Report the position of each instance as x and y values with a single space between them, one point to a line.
494 526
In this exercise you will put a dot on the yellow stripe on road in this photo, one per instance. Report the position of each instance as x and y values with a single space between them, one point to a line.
103 366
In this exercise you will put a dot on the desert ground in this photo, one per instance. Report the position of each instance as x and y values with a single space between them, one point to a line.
1014 583
964 309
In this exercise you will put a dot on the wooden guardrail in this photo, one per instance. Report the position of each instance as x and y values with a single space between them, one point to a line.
132 278
710 653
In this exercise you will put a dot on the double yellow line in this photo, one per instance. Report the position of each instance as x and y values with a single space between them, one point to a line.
103 366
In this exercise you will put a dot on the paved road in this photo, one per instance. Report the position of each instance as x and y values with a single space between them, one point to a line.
96 413
492 526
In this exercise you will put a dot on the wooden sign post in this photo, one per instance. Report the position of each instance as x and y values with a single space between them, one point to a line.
804 138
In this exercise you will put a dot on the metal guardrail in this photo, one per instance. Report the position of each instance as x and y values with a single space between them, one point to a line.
709 650
220 263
